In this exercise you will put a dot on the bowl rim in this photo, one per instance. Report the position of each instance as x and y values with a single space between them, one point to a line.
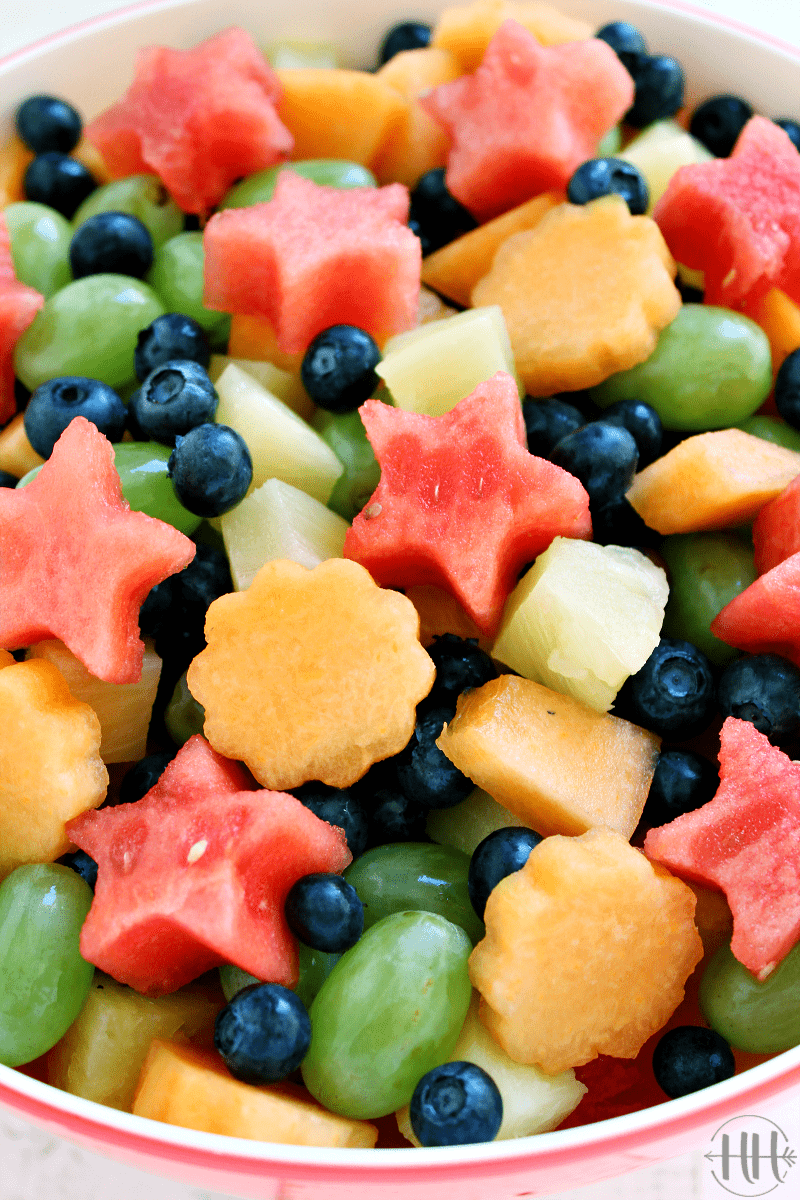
73 1116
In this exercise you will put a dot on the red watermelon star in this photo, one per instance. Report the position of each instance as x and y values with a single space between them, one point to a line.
316 256
19 304
737 219
746 841
76 563
528 117
461 503
196 874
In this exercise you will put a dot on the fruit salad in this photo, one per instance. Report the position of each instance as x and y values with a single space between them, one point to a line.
399 551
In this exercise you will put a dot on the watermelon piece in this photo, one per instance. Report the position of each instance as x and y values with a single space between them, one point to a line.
199 118
527 118
19 304
315 256
765 617
196 874
776 529
746 842
461 504
76 563
737 219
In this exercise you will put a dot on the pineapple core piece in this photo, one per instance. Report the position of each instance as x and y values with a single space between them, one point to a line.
557 765
583 619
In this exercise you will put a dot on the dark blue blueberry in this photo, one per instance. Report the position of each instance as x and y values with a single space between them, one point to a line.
623 38
82 864
689 1058
338 368
47 123
395 818
207 577
460 664
547 422
57 402
791 128
643 422
659 84
211 469
325 913
174 398
111 243
609 177
582 400
602 456
8 480
787 389
619 524
339 807
500 854
170 336
456 1104
408 35
718 122
263 1033
141 777
682 782
59 181
765 690
436 216
689 294
424 773
672 694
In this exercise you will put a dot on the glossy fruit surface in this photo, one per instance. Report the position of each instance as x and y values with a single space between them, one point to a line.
761 1018
111 242
263 1033
455 1104
706 571
211 469
58 401
689 1058
325 912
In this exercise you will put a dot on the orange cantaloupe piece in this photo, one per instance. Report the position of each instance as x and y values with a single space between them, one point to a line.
466 29
15 157
779 317
182 1085
419 143
712 481
439 613
333 113
17 455
558 765
255 338
584 294
456 268
587 951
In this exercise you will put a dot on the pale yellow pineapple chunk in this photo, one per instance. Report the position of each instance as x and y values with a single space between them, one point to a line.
281 444
279 521
583 619
100 1056
286 386
587 950
533 1101
658 151
434 366
123 709
558 765
468 823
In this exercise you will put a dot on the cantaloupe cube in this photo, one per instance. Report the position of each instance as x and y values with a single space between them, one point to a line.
287 386
419 143
123 709
533 1102
465 825
439 613
361 113
100 1057
466 29
254 338
583 619
559 766
185 1086
587 950
712 481
779 317
17 455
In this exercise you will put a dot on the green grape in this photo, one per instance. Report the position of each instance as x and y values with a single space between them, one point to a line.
706 571
610 144
44 982
330 172
347 438
710 369
761 1018
415 875
314 968
772 429
142 196
184 716
40 239
232 979
88 328
177 277
390 1010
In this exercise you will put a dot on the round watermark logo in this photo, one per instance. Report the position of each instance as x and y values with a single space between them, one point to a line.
750 1156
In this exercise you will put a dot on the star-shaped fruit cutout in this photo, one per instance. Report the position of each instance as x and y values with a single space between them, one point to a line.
19 304
196 874
528 117
763 619
316 256
737 219
76 563
461 503
746 842
198 118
